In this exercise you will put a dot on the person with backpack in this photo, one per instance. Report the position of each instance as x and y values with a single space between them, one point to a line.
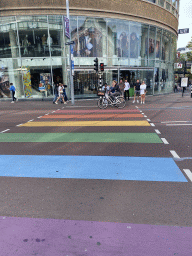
12 89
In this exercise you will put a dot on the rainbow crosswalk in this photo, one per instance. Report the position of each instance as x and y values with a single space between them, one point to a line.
107 133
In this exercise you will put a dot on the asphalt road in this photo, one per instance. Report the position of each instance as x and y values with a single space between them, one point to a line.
115 183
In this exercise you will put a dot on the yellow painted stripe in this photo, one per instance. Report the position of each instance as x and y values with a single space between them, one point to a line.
87 123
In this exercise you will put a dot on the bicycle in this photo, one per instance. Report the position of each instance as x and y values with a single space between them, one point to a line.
105 100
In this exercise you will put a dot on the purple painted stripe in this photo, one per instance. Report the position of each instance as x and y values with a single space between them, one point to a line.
97 111
25 236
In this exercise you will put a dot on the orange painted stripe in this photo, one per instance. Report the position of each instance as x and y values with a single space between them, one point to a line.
93 116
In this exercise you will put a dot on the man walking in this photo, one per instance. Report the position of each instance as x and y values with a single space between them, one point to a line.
126 89
137 90
12 89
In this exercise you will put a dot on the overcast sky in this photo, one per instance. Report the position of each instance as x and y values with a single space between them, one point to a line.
185 21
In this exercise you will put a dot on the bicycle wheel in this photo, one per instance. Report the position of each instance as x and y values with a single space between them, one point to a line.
102 103
120 102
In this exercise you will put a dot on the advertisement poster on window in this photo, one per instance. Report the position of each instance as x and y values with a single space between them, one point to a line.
123 44
27 81
45 82
4 83
157 49
134 45
88 42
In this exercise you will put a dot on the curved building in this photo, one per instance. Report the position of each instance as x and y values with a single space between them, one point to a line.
135 39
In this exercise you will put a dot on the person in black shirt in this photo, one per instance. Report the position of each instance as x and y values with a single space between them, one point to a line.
137 91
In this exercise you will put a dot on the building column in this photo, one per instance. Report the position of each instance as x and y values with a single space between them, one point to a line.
16 78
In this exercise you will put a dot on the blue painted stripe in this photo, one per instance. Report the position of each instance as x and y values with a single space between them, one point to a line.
91 167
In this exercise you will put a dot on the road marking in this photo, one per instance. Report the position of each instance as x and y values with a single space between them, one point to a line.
152 124
30 120
81 137
149 120
88 123
174 154
84 116
136 106
176 124
100 111
164 141
188 173
19 124
157 131
53 112
39 116
5 130
46 114
140 111
145 116
102 167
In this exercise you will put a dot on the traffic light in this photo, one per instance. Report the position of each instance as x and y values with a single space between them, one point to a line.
102 66
96 65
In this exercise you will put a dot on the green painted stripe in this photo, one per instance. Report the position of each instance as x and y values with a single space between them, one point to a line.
81 137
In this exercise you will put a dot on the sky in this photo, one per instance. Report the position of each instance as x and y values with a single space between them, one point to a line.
185 21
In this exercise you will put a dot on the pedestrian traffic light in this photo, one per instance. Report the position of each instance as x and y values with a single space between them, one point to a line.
102 66
96 65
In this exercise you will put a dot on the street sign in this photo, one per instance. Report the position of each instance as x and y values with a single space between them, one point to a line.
183 31
67 33
184 81
178 65
72 61
69 43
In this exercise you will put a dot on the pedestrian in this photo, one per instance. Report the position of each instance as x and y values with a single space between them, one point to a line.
60 92
143 92
126 89
56 93
65 94
115 91
137 91
12 89
106 88
121 86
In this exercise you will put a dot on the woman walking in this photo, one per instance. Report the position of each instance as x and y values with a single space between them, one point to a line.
143 92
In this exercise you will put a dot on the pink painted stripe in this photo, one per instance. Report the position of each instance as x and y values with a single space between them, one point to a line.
97 111
30 236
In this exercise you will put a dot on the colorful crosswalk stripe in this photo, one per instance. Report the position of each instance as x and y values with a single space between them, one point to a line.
87 123
38 236
91 167
93 116
67 111
81 137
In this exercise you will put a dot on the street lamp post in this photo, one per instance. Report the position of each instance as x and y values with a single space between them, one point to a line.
70 56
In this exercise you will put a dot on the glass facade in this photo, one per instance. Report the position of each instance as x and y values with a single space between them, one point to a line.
33 54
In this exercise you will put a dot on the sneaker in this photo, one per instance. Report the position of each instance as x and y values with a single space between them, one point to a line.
137 101
53 102
56 103
133 101
65 102
141 102
12 101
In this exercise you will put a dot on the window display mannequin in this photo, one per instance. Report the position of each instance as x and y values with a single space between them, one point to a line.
44 42
25 44
49 42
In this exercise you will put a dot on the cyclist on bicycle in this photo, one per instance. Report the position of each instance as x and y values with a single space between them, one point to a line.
114 90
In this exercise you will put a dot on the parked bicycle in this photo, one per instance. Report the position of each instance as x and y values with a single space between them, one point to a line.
105 100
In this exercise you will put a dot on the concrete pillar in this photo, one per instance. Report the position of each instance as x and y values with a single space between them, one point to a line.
17 77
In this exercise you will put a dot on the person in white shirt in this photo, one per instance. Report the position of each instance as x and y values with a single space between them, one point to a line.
60 92
105 88
126 89
143 87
